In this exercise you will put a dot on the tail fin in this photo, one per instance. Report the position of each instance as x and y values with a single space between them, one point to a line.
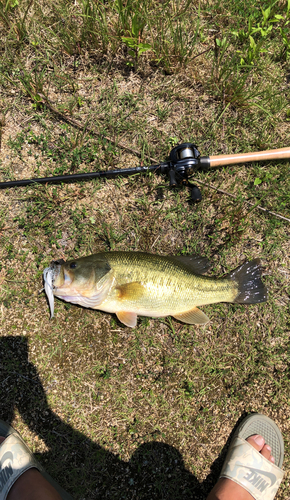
251 288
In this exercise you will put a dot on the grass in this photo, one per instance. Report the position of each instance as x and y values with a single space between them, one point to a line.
145 413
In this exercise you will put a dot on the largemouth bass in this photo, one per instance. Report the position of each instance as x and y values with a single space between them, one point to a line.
134 283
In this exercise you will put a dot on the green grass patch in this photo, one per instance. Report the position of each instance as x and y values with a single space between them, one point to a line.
113 412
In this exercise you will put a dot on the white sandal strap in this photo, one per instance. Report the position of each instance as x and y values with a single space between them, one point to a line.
15 459
247 467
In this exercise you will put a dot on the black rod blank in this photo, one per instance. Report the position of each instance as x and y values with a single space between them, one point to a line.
85 176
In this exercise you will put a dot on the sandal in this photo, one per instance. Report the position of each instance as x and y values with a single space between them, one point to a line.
15 459
247 467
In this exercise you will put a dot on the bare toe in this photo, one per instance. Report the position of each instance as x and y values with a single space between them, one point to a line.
266 452
258 442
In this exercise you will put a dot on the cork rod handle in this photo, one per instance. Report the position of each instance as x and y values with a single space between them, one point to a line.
271 154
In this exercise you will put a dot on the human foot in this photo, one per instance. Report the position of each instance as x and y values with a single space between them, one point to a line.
21 476
226 489
252 468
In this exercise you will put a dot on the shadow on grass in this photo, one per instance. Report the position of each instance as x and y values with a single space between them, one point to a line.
82 467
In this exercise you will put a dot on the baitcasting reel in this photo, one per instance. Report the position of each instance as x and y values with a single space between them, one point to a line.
184 159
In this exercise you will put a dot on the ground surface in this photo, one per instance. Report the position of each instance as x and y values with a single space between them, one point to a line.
146 413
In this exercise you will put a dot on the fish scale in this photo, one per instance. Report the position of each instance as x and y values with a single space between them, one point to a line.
168 287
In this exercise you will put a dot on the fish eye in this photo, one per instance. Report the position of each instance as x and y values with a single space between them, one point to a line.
73 265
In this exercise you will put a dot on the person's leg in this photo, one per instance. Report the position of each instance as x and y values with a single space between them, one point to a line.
226 489
31 485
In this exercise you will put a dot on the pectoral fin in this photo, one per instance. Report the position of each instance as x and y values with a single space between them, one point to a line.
193 317
128 318
130 291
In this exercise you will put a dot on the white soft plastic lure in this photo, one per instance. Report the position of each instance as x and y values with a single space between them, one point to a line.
47 277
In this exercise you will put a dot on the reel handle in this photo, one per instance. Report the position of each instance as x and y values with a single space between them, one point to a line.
172 178
195 194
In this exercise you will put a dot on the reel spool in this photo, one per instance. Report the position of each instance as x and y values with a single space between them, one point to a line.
184 159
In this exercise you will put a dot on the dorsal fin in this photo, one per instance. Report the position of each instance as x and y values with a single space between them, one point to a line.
195 263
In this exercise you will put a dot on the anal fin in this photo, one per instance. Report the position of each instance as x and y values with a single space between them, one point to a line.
128 318
193 317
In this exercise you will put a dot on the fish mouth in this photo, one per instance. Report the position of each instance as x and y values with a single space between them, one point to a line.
50 274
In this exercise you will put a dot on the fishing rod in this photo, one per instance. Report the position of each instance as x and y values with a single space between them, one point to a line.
184 160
